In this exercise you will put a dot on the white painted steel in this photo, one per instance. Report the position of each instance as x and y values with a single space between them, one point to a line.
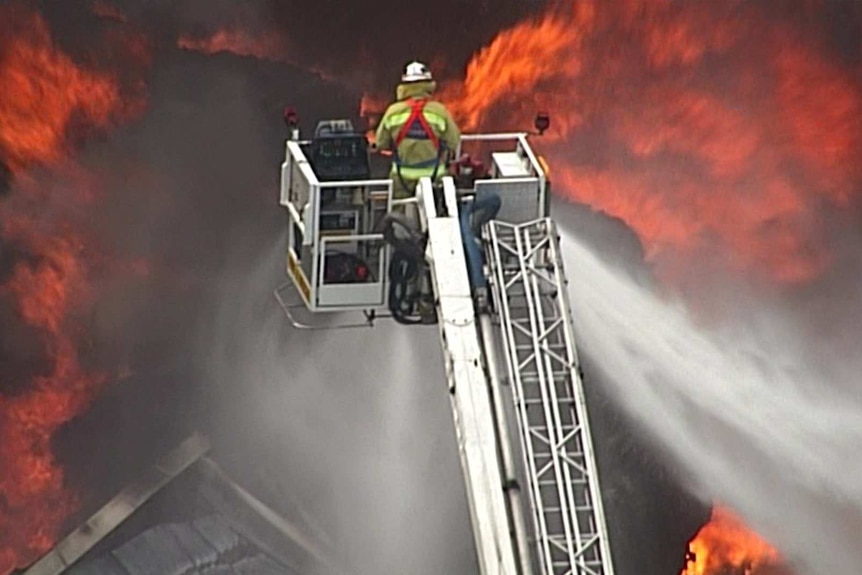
512 487
529 289
300 194
518 141
468 388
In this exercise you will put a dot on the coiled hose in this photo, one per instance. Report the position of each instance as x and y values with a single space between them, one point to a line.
406 267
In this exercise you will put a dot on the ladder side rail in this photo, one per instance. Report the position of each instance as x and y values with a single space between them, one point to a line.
531 278
511 486
557 432
580 406
501 287
498 286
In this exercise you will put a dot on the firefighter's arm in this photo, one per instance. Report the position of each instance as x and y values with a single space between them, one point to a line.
383 138
452 137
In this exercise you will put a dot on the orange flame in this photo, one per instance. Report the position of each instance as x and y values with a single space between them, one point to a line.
33 499
518 61
45 97
717 131
725 544
371 106
106 10
265 46
44 92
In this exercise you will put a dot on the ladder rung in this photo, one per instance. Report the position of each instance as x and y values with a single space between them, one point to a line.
550 482
577 509
553 347
557 375
546 454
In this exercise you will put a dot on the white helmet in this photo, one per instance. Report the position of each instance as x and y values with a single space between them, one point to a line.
416 72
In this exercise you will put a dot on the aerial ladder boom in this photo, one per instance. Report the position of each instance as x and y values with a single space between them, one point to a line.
535 505
468 387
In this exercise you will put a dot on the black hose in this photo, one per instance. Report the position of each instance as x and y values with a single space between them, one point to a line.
402 303
405 267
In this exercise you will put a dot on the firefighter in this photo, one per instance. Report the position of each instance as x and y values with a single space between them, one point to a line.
419 131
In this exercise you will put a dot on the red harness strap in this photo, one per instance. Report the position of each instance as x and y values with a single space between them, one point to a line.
416 115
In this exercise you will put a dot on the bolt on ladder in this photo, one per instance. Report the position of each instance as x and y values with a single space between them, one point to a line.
529 291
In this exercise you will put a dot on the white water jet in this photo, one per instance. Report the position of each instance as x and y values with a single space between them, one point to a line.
744 411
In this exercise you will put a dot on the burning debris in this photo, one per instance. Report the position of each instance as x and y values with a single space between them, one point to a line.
724 546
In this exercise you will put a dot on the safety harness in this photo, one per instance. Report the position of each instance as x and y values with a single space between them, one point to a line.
417 107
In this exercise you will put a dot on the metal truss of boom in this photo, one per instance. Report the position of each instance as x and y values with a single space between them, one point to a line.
530 296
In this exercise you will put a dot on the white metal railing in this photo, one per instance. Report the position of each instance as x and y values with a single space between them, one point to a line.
520 138
301 192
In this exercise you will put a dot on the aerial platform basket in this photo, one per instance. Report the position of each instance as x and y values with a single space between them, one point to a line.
337 259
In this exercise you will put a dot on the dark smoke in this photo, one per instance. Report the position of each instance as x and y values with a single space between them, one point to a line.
364 43
191 184
386 34
5 178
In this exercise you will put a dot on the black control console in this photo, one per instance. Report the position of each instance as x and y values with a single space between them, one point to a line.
338 153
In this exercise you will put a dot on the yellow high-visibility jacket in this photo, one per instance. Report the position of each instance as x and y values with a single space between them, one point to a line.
417 154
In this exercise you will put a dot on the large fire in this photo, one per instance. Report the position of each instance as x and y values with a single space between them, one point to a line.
723 133
725 545
720 132
45 97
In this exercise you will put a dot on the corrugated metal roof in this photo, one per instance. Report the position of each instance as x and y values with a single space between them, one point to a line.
200 524
206 546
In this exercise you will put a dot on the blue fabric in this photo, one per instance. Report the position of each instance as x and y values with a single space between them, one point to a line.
486 209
